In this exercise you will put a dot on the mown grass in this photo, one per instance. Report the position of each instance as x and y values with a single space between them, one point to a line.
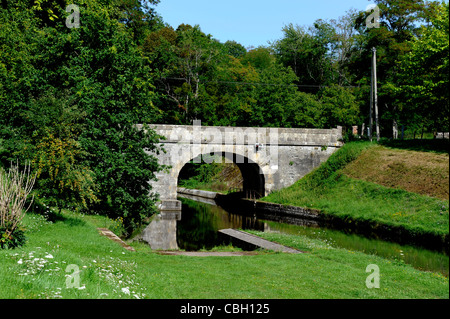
331 191
38 270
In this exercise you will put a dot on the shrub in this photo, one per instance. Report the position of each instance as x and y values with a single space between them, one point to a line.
13 239
15 186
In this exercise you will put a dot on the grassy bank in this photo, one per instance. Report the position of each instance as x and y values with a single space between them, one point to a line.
331 190
38 270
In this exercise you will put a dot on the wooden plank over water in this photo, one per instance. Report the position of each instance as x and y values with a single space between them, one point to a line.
258 241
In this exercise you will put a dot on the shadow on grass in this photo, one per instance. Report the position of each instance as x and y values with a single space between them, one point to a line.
436 146
39 208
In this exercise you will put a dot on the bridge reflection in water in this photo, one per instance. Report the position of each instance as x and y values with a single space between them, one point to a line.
197 228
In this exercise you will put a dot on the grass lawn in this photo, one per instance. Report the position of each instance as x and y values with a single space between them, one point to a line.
38 270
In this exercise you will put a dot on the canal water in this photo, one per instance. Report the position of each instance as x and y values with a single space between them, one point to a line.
200 221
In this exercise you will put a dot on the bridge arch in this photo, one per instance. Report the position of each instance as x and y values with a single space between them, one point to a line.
254 180
269 158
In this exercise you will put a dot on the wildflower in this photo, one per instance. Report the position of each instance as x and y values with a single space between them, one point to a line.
49 256
126 290
20 262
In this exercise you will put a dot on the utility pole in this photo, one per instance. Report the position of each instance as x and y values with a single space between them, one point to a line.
375 91
371 106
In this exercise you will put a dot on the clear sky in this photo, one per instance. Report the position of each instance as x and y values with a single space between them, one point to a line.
252 22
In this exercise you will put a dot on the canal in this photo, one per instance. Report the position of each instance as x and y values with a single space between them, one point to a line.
201 219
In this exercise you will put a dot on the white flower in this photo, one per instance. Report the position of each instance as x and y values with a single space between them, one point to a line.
49 256
126 291
20 262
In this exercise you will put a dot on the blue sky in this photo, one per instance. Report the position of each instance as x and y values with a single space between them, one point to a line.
252 22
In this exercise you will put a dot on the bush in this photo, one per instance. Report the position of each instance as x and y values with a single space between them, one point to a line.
10 240
15 186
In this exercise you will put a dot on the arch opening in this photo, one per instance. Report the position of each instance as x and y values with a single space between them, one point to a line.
249 181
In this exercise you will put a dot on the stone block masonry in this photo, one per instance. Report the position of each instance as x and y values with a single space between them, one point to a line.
269 158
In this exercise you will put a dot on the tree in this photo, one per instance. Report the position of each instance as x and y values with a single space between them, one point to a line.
235 49
338 107
228 98
107 88
260 58
63 181
423 80
308 51
181 66
399 24
116 96
139 16
344 41
53 126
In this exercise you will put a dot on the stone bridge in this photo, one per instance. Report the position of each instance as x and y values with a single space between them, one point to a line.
268 158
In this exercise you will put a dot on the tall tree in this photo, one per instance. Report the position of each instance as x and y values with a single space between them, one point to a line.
139 16
183 60
308 51
424 78
399 23
103 72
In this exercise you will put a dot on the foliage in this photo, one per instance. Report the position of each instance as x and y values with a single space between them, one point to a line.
400 22
11 240
347 112
425 69
70 99
305 50
60 177
52 128
222 84
199 173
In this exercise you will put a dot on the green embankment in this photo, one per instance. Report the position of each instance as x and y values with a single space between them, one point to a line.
40 269
330 189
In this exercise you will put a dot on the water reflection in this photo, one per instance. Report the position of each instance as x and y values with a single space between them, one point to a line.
419 258
197 228
161 234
